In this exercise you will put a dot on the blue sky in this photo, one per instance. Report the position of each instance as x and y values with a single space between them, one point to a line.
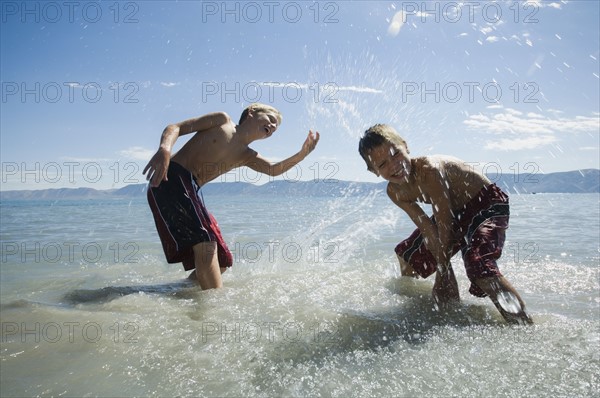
87 87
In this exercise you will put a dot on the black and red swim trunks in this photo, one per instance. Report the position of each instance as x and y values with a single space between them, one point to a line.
182 220
481 225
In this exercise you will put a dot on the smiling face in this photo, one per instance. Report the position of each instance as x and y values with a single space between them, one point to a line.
266 122
260 120
385 153
390 162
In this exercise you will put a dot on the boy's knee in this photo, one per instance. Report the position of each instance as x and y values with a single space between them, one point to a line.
205 246
205 251
406 269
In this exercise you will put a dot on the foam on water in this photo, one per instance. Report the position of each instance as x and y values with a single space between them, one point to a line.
296 335
307 328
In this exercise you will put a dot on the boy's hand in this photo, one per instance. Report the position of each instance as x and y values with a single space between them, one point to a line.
445 288
157 167
310 143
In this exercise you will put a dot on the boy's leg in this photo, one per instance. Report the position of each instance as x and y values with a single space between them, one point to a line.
208 272
505 298
193 277
445 289
480 256
420 261
406 269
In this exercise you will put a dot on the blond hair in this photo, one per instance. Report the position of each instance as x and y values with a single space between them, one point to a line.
257 107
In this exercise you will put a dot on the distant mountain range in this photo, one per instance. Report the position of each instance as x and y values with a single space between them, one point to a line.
580 181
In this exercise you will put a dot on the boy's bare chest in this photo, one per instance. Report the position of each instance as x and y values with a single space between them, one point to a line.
412 193
210 156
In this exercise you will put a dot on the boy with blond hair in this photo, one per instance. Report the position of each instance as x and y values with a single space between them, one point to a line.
470 214
188 232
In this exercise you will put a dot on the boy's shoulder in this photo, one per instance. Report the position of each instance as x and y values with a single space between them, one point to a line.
217 118
438 160
222 122
424 165
449 168
441 164
221 117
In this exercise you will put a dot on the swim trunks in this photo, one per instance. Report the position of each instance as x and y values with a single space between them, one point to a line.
182 220
480 228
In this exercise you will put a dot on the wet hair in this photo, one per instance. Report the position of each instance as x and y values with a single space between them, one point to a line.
260 108
378 135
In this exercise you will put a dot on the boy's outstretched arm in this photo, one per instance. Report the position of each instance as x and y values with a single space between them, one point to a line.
159 163
262 165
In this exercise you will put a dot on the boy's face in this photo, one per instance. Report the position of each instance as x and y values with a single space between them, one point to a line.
390 162
265 122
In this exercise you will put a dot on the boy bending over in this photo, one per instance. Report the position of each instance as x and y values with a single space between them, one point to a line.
470 214
188 232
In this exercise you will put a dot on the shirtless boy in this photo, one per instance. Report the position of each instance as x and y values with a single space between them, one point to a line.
469 214
188 232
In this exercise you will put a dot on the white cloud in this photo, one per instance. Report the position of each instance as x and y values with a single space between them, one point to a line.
331 88
518 144
492 39
531 130
137 153
541 4
358 89
169 84
534 115
513 111
535 3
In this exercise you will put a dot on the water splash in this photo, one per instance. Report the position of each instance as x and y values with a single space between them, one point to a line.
365 91
509 303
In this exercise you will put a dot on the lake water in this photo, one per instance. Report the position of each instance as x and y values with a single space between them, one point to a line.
314 305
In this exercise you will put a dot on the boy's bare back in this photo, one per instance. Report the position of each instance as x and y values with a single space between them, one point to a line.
440 181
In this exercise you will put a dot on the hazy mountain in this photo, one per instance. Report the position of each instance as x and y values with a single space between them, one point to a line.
580 181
